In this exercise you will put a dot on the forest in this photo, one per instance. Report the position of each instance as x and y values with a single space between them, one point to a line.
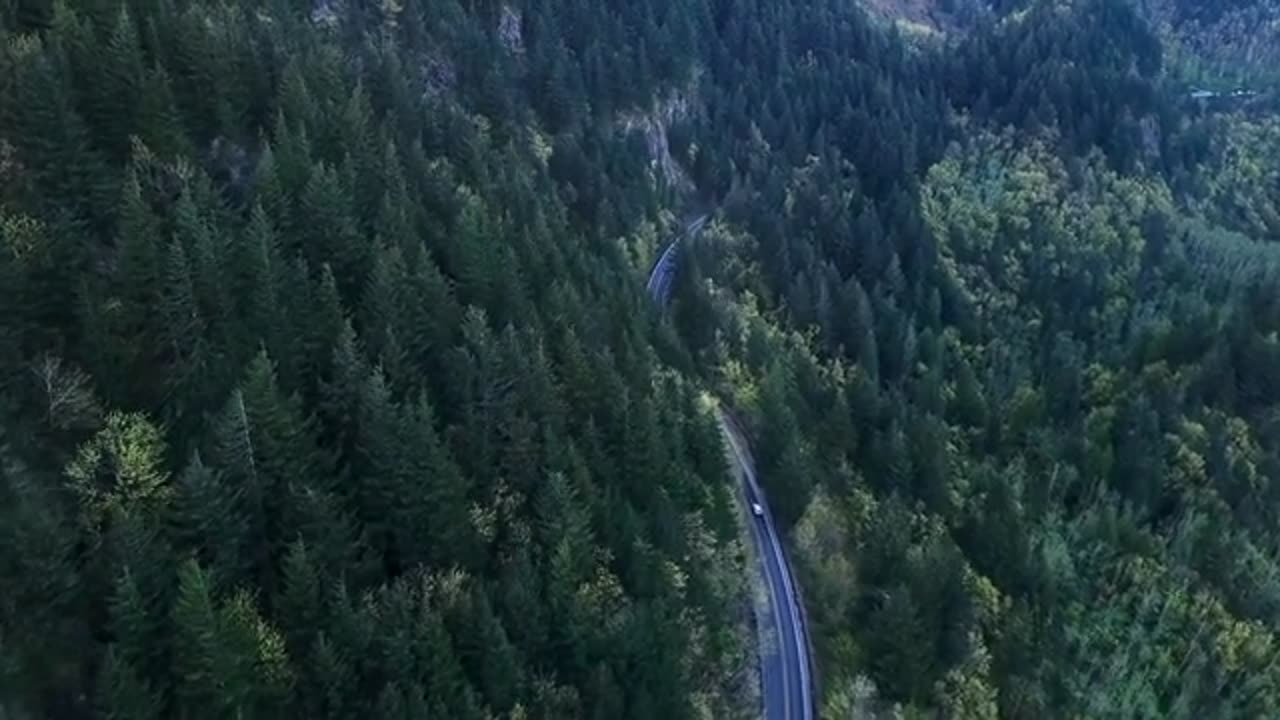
329 386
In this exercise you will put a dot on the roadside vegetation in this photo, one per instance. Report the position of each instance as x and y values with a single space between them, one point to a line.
329 386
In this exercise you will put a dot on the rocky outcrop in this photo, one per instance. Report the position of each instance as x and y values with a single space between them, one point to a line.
940 16
1237 39
655 124
510 32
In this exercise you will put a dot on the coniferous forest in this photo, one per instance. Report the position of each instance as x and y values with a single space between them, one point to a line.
330 388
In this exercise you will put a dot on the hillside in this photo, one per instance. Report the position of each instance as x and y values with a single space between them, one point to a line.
330 386
1223 45
327 383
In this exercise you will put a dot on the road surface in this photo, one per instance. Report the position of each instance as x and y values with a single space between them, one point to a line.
786 674
784 650
664 271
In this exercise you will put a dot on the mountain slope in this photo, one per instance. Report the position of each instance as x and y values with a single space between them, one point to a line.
326 374
329 385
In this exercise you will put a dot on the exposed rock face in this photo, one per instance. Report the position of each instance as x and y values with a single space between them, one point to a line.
943 16
654 124
509 29
326 13
438 75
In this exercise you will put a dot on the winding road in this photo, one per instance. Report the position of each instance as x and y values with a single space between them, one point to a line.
664 271
786 677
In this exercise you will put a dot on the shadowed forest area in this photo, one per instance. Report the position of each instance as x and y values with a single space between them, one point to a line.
329 386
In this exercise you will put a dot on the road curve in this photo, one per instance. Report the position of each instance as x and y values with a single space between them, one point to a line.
664 270
785 670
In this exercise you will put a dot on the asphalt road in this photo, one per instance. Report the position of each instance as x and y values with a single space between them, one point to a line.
784 649
786 677
664 271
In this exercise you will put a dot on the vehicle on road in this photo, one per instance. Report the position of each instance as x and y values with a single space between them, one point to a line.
757 510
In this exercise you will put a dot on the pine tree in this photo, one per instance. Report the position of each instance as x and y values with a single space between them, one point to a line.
338 546
271 193
381 304
341 395
899 648
117 98
183 334
322 318
445 500
283 450
358 137
473 256
299 605
519 603
445 681
55 142
254 673
207 253
331 235
487 653
562 522
196 634
859 335
296 102
121 337
203 63
969 406
137 633
158 123
228 659
396 214
432 318
644 456
334 683
253 268
379 478
213 520
784 467
123 694
401 373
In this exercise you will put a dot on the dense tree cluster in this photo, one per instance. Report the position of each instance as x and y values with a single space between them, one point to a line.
328 386
1084 69
1009 369
327 389
1220 44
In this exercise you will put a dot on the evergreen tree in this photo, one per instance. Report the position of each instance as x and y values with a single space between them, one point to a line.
331 234
123 694
55 143
899 648
213 520
334 682
445 502
139 639
117 99
196 637
157 121
372 272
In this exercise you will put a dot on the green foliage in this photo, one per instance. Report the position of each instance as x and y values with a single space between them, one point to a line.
1002 361
120 470
285 299
1085 70
328 388
125 695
